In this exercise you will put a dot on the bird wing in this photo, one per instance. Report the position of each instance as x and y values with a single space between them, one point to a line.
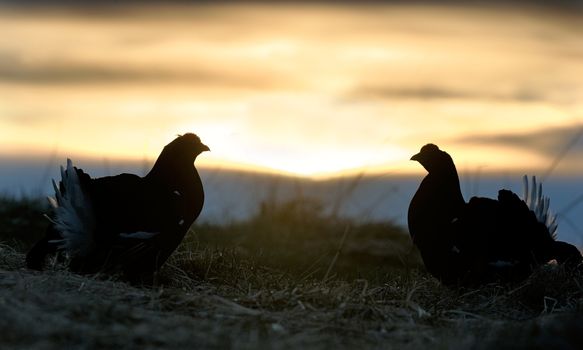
127 205
495 229
139 222
503 237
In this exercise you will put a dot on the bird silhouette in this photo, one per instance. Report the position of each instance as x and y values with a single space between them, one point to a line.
124 223
485 239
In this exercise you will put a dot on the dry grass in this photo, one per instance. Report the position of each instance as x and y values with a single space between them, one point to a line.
284 280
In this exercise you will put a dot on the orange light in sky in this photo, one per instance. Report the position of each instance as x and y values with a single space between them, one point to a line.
307 90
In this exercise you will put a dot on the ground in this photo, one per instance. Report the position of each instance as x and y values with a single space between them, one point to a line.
290 277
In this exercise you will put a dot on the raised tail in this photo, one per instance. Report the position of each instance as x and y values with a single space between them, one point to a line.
540 205
562 252
73 214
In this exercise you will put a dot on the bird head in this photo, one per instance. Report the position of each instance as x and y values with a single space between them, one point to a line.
187 146
433 159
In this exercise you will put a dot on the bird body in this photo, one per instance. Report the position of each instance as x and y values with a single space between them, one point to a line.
125 222
484 239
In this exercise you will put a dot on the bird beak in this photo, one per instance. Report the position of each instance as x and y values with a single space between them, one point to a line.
205 147
416 157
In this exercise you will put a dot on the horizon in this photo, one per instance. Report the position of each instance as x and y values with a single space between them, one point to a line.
113 165
232 195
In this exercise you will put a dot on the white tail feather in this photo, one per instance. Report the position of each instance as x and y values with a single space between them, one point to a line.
74 217
539 204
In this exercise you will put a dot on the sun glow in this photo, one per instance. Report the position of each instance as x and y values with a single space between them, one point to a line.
351 89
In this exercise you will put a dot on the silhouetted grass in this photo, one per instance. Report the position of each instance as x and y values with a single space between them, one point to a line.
298 238
21 221
289 277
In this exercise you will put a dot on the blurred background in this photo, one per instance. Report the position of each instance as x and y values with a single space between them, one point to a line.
312 99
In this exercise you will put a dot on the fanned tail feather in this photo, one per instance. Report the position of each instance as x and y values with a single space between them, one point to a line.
540 205
73 217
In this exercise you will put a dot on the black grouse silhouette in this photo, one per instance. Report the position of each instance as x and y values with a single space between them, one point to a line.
485 239
125 223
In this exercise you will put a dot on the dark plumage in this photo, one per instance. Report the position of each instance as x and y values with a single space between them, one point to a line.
125 223
485 239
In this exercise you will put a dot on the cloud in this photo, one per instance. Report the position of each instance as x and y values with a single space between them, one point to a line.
549 142
433 92
56 74
61 73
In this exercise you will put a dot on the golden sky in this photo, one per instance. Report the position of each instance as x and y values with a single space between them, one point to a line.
307 90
